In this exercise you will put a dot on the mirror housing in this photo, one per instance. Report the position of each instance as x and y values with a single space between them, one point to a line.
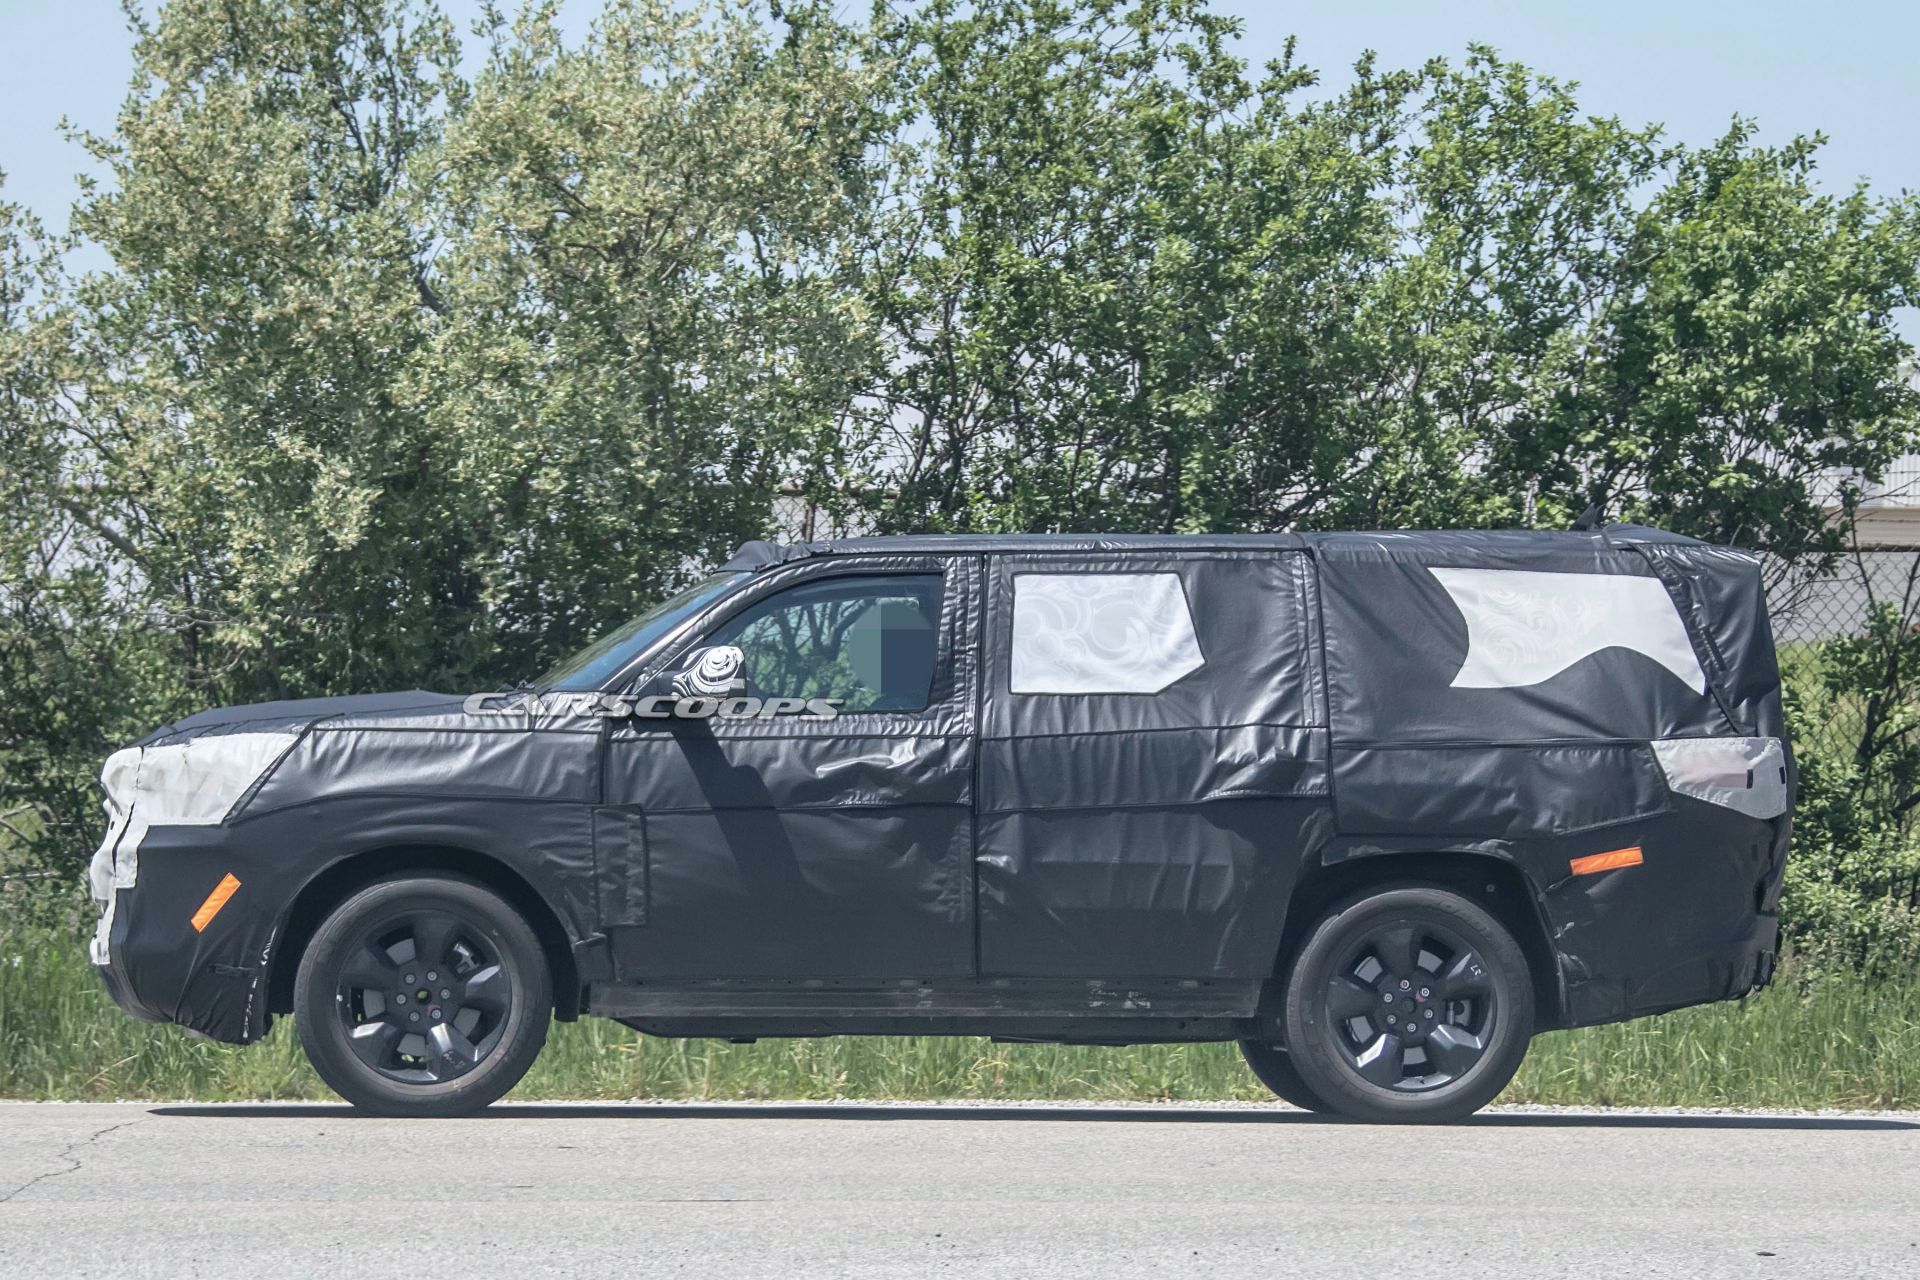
710 673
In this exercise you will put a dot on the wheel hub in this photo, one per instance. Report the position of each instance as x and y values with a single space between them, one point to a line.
424 998
1410 1006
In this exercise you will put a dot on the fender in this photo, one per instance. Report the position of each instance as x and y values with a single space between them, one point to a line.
352 838
1517 890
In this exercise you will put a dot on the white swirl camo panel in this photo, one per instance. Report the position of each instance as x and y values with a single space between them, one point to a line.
1525 627
1081 633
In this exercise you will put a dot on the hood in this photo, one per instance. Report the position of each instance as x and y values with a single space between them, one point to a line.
297 713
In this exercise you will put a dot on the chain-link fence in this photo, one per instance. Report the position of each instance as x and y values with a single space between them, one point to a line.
1848 647
795 519
798 519
1809 606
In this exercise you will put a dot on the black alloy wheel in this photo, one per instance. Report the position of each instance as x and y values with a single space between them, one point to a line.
423 995
1409 1004
423 999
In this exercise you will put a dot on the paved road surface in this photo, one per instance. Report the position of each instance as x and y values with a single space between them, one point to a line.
782 1191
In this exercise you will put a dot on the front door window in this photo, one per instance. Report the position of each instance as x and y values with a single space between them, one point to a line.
868 641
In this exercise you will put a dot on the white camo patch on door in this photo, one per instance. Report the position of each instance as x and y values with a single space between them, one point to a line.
1524 627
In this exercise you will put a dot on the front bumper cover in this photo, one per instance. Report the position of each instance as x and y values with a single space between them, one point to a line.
160 968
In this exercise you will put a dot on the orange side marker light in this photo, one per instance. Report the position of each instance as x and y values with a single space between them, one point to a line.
1608 861
215 900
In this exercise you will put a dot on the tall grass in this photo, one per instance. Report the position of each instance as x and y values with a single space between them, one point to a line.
1828 1043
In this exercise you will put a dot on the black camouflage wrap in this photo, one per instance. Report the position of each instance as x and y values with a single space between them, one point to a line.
1003 856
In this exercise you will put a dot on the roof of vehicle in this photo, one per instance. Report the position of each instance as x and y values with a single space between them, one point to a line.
761 555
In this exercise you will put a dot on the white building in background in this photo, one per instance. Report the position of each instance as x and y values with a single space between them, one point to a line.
1890 512
1885 572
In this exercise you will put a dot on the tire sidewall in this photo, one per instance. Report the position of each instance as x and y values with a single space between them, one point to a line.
1273 1066
316 996
1319 1060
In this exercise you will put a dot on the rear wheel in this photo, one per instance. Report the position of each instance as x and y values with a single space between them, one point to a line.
1408 1004
1274 1067
423 996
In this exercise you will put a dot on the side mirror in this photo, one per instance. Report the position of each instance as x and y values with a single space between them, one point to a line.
711 673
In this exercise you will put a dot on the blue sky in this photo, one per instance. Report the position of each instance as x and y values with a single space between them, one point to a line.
1846 70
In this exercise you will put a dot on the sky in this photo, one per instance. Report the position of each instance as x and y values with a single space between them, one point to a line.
1847 70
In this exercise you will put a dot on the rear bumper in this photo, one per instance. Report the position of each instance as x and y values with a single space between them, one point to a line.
1724 971
1696 922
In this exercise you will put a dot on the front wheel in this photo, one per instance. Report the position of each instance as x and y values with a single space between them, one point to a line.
1408 1004
423 995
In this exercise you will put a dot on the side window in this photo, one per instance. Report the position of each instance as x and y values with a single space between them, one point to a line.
1080 633
867 640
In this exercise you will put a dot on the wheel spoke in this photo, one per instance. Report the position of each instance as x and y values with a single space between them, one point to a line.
486 989
1381 1062
1453 1049
1466 976
448 1052
368 967
1398 946
433 936
1348 997
420 1036
374 1043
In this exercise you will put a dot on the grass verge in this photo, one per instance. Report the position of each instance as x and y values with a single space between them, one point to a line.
1824 1043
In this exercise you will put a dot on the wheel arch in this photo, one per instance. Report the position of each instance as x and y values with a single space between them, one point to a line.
1497 884
347 875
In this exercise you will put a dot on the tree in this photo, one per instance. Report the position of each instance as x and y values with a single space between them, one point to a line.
1749 356
62 663
1125 288
400 381
648 324
1128 287
257 465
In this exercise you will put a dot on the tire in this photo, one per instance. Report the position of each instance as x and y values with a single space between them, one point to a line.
1403 969
1274 1067
423 995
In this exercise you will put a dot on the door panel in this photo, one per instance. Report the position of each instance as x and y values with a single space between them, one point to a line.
804 848
1151 822
864 892
1169 891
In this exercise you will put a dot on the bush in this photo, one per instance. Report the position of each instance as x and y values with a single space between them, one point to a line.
1855 855
1844 870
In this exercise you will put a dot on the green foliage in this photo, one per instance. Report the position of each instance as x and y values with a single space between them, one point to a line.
1854 868
644 325
1825 1043
1749 353
1127 285
401 381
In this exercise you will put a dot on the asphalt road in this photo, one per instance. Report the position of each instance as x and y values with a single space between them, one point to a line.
835 1190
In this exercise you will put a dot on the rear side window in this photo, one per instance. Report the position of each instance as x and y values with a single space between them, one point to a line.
1095 633
1575 644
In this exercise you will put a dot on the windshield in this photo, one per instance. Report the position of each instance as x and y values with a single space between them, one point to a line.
594 665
